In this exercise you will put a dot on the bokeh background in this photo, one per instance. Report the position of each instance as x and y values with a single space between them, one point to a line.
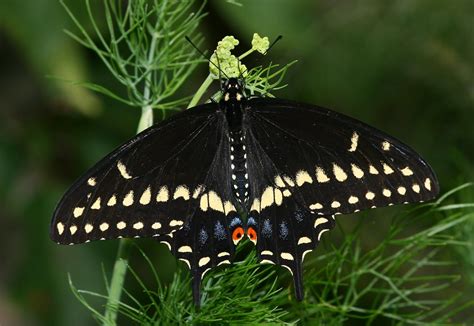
404 66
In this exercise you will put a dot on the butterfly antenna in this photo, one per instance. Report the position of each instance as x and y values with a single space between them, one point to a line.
205 57
279 37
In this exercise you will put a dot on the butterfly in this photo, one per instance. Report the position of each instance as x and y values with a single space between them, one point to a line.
272 170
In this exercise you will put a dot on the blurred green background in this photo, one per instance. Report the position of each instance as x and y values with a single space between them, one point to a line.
404 66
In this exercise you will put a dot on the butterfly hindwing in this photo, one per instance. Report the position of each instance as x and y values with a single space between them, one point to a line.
204 243
144 187
285 234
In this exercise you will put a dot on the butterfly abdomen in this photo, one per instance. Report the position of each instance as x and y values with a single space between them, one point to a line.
238 159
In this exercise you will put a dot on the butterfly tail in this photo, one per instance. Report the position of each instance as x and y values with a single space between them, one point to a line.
298 280
196 279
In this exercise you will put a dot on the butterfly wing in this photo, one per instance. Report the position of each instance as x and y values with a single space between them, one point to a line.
208 239
147 187
338 164
308 163
171 182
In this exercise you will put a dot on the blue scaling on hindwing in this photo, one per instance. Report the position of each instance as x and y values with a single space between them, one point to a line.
267 228
251 221
202 237
283 230
219 231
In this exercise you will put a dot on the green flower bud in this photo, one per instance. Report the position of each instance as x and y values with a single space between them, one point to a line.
228 42
260 44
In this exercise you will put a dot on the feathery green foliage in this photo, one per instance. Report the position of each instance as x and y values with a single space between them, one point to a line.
143 47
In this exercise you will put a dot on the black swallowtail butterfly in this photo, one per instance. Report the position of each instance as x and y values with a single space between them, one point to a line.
273 170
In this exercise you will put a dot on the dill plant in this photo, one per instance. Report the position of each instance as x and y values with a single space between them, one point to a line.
398 281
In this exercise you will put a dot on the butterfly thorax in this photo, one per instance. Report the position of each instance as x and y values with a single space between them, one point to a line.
233 102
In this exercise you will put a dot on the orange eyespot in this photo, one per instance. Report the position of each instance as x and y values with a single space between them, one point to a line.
252 234
237 234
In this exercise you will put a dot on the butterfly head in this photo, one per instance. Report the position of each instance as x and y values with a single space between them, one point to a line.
233 89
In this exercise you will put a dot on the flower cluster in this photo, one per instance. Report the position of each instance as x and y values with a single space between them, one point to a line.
223 62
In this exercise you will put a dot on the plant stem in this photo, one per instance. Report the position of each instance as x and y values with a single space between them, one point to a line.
243 55
116 285
146 119
200 92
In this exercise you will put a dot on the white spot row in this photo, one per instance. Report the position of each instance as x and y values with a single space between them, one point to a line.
371 195
119 225
288 256
203 261
162 196
338 173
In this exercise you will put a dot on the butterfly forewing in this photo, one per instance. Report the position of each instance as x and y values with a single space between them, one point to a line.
336 164
147 187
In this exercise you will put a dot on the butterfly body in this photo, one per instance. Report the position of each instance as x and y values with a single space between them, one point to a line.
234 104
273 170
